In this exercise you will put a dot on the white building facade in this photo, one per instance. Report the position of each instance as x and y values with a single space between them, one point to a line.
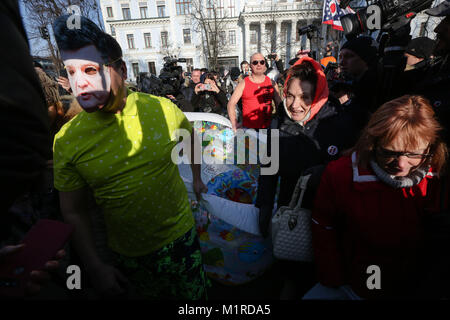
150 30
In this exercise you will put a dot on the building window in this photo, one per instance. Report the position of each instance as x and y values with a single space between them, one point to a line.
143 12
126 13
164 36
222 38
183 6
231 8
283 35
212 39
113 31
253 37
152 67
109 12
187 36
232 37
148 40
219 8
210 8
189 64
135 67
161 11
130 40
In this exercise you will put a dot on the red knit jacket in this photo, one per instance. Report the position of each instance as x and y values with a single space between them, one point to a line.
359 221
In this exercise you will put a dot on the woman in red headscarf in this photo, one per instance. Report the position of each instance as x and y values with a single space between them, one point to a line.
312 132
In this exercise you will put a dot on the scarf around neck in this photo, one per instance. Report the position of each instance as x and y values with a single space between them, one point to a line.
412 179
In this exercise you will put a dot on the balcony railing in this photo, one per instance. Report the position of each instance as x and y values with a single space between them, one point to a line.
281 6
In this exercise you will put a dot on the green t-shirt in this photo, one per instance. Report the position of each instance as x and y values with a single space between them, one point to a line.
125 158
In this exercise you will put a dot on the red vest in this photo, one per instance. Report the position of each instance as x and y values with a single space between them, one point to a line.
257 104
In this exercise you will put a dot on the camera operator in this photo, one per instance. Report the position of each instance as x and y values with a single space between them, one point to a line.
358 62
433 81
328 55
208 97
188 91
278 62
418 53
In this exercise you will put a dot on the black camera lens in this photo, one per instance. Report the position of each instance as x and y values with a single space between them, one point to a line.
351 24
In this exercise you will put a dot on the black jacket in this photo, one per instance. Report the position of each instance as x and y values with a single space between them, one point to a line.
433 82
209 101
321 140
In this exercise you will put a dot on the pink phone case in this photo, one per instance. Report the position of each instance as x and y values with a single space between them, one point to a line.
42 243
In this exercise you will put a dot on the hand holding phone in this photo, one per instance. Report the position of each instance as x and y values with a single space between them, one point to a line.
40 245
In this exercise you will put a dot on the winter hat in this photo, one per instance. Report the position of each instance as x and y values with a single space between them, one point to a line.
421 47
322 91
234 73
364 47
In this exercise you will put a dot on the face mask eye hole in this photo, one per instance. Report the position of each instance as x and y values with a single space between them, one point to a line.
90 71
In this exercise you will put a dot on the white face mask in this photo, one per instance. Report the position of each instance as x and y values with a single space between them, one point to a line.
89 78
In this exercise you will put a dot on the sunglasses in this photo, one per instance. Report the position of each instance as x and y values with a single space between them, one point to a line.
389 154
261 62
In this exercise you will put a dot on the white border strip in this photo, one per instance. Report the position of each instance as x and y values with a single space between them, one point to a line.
356 176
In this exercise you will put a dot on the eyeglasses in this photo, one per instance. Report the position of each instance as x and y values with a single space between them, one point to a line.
261 62
385 153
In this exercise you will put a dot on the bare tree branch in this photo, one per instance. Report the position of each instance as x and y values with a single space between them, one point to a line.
42 13
210 19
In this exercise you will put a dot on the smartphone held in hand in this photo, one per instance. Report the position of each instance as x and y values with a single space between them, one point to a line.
42 243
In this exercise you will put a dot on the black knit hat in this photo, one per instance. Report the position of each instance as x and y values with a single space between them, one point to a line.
234 73
364 47
421 47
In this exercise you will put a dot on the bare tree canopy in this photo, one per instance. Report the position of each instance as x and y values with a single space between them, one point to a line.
42 13
210 19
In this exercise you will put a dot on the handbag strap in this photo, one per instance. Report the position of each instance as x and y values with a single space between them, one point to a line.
303 184
300 186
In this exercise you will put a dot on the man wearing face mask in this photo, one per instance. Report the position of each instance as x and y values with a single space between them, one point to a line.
120 148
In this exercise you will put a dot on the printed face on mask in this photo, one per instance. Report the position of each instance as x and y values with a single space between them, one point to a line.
89 78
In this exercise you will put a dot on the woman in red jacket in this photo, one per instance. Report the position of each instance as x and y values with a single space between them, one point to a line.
368 215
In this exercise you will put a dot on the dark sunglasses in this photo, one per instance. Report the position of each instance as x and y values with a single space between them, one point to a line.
389 154
261 62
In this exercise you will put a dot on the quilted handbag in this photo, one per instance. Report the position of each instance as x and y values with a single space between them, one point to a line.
291 228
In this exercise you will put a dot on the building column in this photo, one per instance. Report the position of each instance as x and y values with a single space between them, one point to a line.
278 37
308 42
263 43
247 41
293 36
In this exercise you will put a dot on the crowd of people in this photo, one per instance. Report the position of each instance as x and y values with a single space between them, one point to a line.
370 126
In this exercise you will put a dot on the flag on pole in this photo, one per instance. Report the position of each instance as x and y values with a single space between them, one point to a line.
332 14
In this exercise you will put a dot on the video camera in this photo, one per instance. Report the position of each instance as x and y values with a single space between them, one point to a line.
171 62
390 15
168 82
309 30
